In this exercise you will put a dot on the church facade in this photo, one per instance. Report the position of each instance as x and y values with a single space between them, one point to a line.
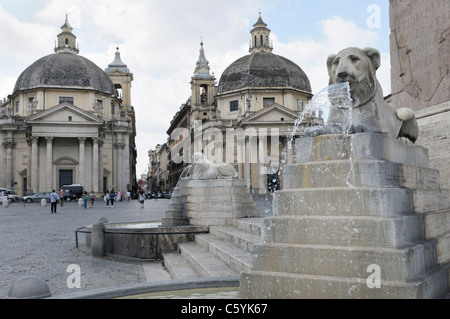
69 122
246 119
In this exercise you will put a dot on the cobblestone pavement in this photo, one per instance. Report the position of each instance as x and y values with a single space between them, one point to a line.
36 242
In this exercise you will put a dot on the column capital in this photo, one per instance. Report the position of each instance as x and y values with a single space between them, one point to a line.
82 139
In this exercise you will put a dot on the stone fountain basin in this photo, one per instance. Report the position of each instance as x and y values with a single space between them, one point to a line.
144 240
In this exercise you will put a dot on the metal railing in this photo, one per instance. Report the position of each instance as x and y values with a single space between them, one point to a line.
157 253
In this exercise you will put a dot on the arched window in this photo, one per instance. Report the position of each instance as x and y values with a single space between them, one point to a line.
256 41
262 40
67 41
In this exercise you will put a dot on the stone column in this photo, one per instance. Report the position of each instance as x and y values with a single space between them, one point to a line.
120 164
100 164
49 163
126 163
241 158
9 162
81 160
34 164
95 170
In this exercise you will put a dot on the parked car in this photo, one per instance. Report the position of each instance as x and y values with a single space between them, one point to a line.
72 192
37 197
167 195
69 196
13 196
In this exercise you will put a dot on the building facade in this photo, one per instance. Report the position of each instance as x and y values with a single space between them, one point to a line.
69 122
247 118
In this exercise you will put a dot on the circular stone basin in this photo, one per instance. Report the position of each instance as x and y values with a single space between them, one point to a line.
144 240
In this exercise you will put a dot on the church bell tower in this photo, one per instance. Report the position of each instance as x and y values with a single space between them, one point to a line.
202 86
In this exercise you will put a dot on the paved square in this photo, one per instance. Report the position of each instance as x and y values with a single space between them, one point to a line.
36 242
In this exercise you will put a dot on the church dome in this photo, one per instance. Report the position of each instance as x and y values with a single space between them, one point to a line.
64 69
263 70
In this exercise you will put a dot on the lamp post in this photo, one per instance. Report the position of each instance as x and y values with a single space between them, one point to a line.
249 100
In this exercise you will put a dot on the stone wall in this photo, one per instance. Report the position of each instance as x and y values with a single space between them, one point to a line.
420 53
420 72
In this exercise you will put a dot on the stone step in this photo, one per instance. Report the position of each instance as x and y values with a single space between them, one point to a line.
363 146
427 201
401 265
443 250
436 224
250 225
218 205
175 206
344 231
344 201
236 236
205 263
177 266
234 256
274 285
359 173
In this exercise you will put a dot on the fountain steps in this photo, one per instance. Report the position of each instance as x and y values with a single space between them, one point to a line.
279 285
222 252
347 262
209 202
350 203
365 173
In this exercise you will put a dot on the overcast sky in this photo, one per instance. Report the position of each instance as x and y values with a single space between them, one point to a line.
160 41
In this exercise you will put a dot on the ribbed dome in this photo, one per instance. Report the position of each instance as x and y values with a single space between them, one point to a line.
64 70
263 70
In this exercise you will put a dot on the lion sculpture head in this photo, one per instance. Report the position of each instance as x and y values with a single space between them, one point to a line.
358 68
370 112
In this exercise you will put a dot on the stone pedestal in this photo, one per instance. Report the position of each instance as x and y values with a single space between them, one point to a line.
209 202
355 210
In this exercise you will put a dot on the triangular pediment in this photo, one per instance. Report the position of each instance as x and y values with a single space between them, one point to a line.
274 113
63 113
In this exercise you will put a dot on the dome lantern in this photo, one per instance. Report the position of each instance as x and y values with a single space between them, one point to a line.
66 39
260 37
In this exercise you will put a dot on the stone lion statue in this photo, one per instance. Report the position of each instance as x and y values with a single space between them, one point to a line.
205 169
370 113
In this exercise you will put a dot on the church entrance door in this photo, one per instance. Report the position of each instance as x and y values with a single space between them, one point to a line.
65 177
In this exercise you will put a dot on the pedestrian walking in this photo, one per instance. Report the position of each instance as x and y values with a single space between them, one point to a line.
92 198
107 198
141 199
112 196
85 199
128 196
54 198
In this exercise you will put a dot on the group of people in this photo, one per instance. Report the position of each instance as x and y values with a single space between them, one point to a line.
110 197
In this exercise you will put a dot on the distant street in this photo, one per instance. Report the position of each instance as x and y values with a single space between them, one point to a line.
36 242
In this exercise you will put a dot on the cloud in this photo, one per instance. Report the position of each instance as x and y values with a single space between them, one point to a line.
336 34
